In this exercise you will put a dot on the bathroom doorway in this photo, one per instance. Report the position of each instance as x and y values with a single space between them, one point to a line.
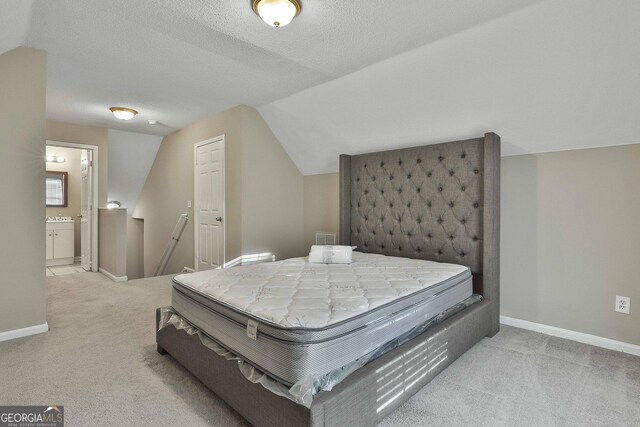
72 214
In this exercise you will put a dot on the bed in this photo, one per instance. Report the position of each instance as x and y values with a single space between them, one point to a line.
314 318
410 212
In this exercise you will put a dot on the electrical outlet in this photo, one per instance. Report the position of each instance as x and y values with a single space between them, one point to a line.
623 304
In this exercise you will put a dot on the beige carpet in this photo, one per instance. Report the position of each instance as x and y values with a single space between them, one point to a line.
99 361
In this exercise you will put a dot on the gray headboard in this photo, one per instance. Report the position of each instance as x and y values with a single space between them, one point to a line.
435 202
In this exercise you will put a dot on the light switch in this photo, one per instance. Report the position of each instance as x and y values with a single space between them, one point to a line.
188 203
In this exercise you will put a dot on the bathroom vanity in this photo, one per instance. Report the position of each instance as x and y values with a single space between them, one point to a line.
60 241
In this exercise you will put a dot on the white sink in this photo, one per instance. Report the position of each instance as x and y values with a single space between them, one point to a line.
59 219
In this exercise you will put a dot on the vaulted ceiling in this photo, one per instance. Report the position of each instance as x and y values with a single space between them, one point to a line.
177 61
347 76
558 75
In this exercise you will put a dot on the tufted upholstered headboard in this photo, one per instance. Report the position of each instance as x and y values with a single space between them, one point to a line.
435 202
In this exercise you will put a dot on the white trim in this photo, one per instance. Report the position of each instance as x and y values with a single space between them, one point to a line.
573 335
113 277
94 179
220 138
233 262
24 332
250 259
560 150
56 262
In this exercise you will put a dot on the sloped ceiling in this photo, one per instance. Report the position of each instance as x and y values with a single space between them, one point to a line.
557 75
347 76
131 156
14 23
178 61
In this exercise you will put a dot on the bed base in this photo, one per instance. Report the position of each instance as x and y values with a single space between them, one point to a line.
362 399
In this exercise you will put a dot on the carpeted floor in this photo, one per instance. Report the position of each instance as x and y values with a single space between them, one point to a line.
99 360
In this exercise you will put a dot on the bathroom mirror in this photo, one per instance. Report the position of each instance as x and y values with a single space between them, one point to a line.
56 184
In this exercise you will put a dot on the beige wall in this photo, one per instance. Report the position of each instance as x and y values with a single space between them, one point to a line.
570 238
72 167
170 185
90 135
571 241
112 239
22 165
321 206
135 248
272 192
250 148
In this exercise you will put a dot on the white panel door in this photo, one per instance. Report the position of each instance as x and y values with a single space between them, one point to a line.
86 199
209 204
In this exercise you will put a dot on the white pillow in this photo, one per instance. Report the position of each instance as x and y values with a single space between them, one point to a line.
328 254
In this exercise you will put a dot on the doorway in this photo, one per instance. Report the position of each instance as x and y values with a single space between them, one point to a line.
78 214
209 211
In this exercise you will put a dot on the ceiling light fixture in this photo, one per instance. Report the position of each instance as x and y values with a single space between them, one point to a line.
55 159
122 113
276 13
153 122
113 204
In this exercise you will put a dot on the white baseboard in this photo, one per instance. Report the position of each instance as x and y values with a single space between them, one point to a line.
573 335
250 259
24 332
113 277
59 261
233 262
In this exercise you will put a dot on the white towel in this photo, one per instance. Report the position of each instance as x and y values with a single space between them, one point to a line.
327 254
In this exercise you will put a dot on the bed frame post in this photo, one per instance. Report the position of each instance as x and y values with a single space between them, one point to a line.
345 200
491 252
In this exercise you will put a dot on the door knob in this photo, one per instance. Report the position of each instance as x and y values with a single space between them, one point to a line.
219 219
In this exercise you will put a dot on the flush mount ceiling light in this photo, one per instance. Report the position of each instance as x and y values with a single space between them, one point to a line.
276 13
113 204
55 159
122 113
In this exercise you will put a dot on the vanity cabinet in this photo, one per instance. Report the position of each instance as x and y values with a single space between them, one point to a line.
60 242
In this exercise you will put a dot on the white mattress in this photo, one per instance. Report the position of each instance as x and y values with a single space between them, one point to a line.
314 318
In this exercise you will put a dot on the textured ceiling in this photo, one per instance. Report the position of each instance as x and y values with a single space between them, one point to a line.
14 23
177 61
347 76
554 76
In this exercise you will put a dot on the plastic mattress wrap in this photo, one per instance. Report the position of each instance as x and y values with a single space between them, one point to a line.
303 391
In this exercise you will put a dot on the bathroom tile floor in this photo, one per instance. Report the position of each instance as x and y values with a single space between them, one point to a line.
60 270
